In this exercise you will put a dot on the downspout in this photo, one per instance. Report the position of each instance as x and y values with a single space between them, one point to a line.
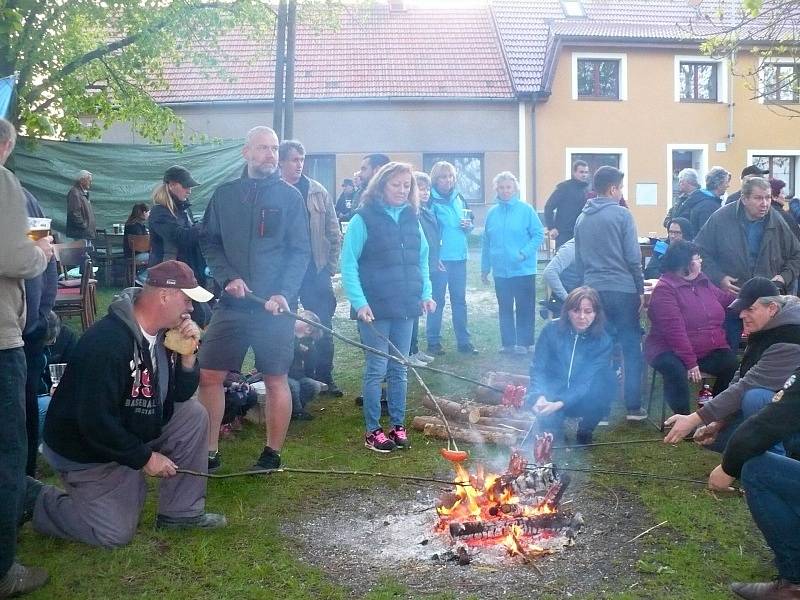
731 103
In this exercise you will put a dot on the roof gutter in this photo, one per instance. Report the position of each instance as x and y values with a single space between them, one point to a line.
348 101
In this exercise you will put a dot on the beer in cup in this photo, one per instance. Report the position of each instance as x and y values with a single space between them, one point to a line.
38 228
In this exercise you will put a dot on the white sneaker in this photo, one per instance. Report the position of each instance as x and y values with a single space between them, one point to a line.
415 362
423 357
520 350
637 415
603 422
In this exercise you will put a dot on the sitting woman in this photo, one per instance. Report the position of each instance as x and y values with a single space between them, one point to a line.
571 373
678 229
385 277
686 334
137 225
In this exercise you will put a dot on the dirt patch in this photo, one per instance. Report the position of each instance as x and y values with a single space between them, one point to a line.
361 538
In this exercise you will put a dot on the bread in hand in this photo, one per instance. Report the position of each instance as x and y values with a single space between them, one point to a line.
180 343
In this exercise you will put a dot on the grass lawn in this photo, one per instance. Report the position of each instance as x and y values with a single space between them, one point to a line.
707 542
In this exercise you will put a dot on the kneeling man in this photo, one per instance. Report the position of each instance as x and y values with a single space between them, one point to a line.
123 410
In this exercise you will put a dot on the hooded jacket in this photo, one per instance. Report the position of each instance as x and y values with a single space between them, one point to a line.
512 235
564 206
724 244
607 251
176 237
257 230
560 274
566 364
449 212
686 318
112 401
771 355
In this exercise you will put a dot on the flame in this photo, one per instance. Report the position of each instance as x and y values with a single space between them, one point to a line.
513 541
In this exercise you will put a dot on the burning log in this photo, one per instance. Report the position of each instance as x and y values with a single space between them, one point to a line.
474 436
531 525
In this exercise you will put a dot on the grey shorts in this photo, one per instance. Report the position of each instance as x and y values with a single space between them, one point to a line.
232 332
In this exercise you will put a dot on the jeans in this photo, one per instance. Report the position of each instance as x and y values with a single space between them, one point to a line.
316 295
454 276
376 368
733 327
622 312
589 408
516 302
772 487
303 391
13 451
721 363
752 402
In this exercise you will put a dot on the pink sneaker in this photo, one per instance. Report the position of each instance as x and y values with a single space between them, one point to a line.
398 435
377 441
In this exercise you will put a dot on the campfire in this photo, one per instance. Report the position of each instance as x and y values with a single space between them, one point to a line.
518 509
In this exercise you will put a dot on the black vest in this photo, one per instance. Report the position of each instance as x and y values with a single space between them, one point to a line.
389 264
757 344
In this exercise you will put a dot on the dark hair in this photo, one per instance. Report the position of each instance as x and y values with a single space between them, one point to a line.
605 178
287 145
678 256
776 185
376 161
573 301
686 227
137 213
579 163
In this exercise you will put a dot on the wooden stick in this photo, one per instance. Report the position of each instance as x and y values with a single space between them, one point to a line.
646 531
319 472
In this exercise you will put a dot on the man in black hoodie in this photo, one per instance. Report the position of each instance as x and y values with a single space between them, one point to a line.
566 203
123 410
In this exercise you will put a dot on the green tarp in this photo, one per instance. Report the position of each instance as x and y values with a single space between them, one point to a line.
123 174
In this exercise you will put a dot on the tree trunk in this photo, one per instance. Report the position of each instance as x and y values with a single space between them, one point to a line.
470 436
456 410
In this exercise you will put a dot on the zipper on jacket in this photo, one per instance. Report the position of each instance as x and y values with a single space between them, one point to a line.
571 360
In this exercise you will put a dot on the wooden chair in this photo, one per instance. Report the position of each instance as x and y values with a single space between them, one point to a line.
137 244
79 301
108 251
69 255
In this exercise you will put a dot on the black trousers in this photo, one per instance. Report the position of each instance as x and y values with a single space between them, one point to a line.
720 363
316 295
36 360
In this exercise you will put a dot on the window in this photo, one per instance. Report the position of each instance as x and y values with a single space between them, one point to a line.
598 79
572 8
322 167
781 83
469 172
698 82
595 161
780 167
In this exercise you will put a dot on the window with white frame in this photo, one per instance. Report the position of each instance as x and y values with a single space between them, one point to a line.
700 79
598 76
780 167
780 82
596 158
469 172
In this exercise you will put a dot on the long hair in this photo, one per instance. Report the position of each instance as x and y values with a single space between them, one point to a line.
573 301
377 184
137 213
162 196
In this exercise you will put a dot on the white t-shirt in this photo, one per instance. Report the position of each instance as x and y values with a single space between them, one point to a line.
151 340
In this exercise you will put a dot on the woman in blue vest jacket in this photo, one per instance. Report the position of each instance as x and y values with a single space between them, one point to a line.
571 373
511 239
384 266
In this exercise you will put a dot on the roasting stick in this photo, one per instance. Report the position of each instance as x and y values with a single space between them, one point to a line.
251 296
321 472
461 455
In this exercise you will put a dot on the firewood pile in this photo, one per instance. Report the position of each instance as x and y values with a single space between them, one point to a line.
490 418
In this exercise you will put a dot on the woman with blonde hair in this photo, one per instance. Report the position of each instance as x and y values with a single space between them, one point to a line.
385 277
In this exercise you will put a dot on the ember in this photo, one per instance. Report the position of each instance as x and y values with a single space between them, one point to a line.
518 509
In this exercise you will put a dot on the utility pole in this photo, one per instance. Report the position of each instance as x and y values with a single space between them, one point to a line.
280 53
288 106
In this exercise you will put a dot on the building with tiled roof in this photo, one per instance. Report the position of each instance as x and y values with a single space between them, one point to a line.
520 85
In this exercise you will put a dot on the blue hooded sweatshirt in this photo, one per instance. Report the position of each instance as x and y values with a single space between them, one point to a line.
449 211
511 239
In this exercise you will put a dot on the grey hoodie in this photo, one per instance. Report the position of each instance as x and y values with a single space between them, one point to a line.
607 248
771 370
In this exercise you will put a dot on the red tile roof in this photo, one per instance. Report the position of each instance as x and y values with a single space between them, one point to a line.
415 53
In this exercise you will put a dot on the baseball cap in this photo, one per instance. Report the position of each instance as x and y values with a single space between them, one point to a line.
177 275
755 288
181 175
754 170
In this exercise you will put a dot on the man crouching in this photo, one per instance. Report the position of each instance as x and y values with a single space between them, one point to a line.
124 409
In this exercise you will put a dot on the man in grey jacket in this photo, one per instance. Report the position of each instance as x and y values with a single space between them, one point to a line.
772 355
607 254
20 259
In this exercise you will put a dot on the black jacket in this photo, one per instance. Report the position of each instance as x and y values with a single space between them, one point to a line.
564 206
775 422
176 237
430 227
257 230
698 207
109 404
40 291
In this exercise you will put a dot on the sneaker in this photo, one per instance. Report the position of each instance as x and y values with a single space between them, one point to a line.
225 431
639 414
269 459
604 421
21 580
214 461
531 349
302 415
204 521
333 390
33 487
378 441
415 362
398 435
436 349
507 350
420 355
467 349
520 349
